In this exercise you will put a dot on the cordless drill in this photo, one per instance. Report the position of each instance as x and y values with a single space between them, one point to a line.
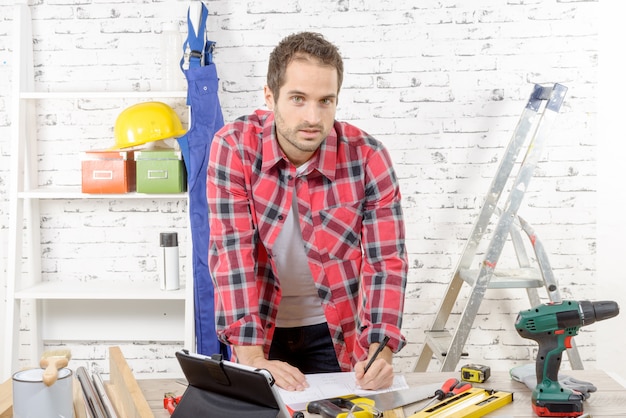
553 325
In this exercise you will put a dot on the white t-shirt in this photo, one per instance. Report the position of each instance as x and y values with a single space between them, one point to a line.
300 304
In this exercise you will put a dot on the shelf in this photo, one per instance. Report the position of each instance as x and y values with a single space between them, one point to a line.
121 307
100 290
113 320
70 95
75 193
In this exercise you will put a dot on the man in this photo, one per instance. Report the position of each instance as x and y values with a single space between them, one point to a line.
307 245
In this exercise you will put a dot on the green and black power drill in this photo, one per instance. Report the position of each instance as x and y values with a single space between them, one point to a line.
553 325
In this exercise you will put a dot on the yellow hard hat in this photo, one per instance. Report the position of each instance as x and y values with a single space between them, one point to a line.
146 122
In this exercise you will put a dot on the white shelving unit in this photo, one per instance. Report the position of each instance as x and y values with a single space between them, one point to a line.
73 311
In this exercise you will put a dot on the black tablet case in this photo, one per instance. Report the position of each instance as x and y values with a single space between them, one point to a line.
218 390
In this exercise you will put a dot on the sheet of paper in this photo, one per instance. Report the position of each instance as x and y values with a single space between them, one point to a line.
330 385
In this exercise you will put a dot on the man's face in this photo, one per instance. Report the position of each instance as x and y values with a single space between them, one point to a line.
305 109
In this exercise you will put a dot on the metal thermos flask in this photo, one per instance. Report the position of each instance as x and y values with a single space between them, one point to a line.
168 261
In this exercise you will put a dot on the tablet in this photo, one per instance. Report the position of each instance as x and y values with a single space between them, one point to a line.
241 390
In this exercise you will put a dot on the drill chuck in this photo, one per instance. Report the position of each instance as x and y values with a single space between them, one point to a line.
597 311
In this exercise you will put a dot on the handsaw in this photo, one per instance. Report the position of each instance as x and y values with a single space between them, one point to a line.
387 401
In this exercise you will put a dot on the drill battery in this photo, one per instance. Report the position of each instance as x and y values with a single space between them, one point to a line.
475 373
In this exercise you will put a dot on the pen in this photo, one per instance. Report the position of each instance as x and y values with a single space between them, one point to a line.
376 353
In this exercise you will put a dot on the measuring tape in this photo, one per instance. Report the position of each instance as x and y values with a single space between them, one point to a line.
475 373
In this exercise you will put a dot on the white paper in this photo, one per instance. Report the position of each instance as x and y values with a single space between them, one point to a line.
330 385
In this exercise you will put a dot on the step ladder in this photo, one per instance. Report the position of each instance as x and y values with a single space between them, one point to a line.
532 128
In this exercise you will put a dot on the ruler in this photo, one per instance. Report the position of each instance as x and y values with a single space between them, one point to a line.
473 403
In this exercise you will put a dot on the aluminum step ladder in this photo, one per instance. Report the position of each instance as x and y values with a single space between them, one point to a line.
532 128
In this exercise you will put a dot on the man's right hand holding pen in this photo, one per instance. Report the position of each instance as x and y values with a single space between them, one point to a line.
376 372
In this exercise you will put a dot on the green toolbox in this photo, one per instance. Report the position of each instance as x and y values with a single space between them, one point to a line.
160 171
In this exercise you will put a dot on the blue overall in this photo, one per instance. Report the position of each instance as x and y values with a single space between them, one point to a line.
206 119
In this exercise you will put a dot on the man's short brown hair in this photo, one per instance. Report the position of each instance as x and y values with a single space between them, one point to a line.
301 45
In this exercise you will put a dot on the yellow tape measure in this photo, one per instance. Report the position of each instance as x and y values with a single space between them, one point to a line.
475 373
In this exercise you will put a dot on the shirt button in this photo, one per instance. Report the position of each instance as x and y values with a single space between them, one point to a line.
280 217
268 326
290 177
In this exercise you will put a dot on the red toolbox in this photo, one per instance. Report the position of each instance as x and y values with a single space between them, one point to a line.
106 172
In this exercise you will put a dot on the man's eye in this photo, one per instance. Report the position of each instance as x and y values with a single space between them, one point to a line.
297 99
327 101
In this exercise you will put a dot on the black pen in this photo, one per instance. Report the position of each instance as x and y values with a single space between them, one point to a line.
376 353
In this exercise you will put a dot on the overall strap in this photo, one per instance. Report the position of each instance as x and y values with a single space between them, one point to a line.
197 50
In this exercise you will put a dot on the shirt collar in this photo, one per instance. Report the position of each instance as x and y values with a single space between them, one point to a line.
272 154
324 160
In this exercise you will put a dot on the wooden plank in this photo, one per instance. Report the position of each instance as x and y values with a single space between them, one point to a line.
6 399
110 390
128 395
394 413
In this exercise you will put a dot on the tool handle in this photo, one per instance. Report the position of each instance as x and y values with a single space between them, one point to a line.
294 413
324 407
548 360
51 373
459 388
440 394
447 388
169 404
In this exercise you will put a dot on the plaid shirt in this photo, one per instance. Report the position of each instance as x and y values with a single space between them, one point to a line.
352 228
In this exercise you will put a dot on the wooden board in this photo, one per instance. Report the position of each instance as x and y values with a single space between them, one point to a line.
127 397
394 413
6 399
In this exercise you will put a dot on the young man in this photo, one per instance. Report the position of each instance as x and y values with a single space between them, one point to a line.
307 247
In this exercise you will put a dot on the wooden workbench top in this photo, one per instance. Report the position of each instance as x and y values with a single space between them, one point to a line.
608 401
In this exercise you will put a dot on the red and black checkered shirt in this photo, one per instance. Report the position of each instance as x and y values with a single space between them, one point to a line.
352 228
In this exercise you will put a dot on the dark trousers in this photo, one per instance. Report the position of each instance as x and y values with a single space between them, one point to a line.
308 348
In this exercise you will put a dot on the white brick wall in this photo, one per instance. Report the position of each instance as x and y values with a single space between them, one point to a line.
441 83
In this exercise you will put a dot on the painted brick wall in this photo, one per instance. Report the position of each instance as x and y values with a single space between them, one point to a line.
441 83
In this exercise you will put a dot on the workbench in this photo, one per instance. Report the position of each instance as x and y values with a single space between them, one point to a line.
608 401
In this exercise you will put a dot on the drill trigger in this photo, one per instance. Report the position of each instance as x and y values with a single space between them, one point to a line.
568 342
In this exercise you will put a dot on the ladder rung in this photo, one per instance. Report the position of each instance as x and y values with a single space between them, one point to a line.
520 278
439 341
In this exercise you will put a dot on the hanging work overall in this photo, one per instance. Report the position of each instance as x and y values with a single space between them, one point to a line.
206 118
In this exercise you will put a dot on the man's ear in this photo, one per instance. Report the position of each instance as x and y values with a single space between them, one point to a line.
269 98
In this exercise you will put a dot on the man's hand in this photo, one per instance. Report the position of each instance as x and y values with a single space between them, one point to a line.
380 373
285 375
